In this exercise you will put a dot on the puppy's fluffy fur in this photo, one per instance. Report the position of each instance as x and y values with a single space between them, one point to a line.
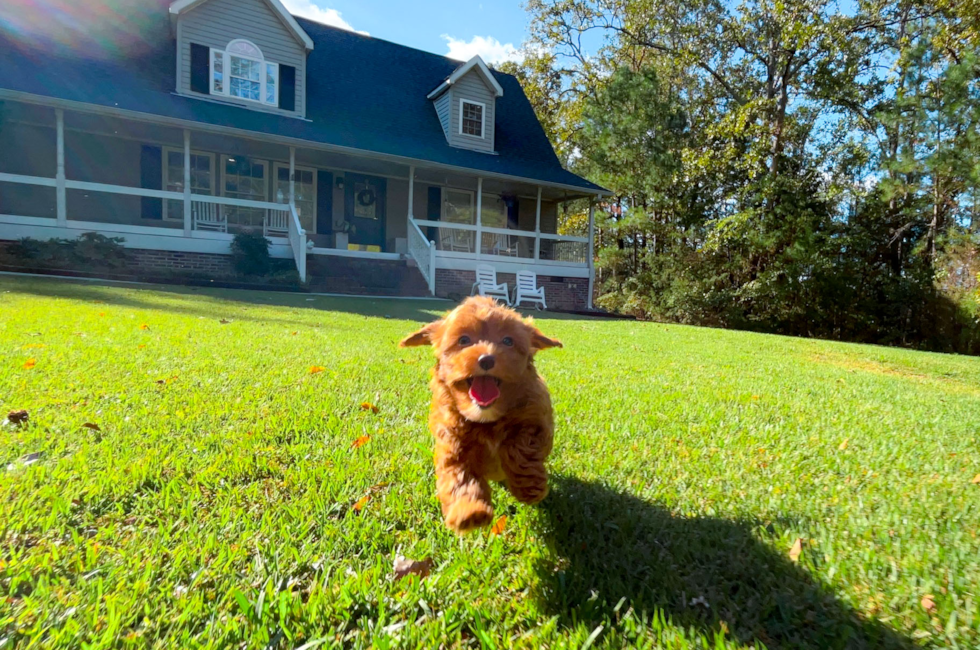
491 413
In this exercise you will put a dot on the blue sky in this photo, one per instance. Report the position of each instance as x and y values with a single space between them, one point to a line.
493 29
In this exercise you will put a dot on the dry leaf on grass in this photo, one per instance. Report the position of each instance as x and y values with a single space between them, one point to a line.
18 417
843 445
144 326
928 603
315 369
34 346
499 527
224 321
405 567
360 442
357 507
796 550
93 426
368 406
976 480
30 363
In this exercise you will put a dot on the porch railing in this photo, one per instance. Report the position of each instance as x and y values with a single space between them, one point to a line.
424 253
297 240
459 240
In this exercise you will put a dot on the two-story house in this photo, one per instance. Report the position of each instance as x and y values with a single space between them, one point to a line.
176 124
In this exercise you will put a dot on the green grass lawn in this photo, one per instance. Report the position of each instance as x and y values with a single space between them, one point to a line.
185 481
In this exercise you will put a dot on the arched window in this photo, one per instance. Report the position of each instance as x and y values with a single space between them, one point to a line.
240 70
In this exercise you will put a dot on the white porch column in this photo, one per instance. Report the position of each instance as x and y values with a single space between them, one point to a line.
537 227
292 176
411 191
479 215
61 198
187 182
591 252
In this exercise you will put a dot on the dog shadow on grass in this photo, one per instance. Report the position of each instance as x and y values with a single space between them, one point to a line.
707 574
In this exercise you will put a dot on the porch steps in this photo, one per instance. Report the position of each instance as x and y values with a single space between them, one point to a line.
334 274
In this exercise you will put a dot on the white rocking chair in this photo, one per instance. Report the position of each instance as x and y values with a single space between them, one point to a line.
275 224
486 284
208 216
527 289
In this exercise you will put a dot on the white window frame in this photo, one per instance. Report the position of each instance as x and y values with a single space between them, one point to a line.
483 119
276 166
225 90
166 176
445 189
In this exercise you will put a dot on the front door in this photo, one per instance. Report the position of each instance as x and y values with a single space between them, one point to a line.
365 210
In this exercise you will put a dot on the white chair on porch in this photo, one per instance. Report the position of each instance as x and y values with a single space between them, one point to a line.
499 244
275 224
208 216
457 241
486 284
527 289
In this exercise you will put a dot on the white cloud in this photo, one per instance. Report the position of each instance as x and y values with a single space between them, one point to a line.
492 50
309 9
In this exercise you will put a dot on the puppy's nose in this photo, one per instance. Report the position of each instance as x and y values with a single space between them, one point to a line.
486 361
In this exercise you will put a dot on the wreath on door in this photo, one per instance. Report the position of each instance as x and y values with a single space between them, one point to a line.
366 198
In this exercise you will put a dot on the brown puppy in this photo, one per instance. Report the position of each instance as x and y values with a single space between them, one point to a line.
491 413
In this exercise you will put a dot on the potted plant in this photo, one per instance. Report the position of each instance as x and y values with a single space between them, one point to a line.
342 236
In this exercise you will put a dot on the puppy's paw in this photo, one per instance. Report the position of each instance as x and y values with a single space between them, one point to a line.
465 515
529 493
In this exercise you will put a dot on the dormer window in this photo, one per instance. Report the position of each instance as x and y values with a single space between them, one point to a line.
241 71
471 118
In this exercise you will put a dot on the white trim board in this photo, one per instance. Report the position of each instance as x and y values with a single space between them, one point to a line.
476 62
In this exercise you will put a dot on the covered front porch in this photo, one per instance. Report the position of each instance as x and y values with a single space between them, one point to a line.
65 170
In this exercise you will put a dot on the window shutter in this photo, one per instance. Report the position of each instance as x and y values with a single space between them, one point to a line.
324 203
433 211
200 68
287 87
151 178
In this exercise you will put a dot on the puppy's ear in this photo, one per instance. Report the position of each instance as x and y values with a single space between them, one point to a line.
538 340
428 335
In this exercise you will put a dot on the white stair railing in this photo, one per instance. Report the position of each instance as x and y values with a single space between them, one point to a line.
297 240
423 252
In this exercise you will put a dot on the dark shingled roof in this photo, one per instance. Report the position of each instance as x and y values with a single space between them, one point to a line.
363 92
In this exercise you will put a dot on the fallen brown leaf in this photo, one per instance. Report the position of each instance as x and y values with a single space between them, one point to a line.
405 567
976 480
141 346
93 426
360 442
30 363
928 603
18 417
224 321
357 507
796 550
34 346
316 369
843 445
295 333
368 406
144 326
498 528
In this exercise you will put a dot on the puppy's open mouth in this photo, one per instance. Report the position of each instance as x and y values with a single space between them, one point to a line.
484 390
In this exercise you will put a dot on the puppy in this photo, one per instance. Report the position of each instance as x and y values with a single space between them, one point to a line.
491 413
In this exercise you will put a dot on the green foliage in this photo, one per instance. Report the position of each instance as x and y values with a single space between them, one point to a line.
784 167
212 505
89 252
250 253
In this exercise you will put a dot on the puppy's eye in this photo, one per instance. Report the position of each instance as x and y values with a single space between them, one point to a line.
509 342
464 341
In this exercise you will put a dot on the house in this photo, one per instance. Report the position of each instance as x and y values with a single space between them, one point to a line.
177 123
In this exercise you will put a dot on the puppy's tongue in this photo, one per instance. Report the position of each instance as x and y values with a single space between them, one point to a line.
484 390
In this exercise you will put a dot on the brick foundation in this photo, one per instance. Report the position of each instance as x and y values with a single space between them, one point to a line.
569 294
147 260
